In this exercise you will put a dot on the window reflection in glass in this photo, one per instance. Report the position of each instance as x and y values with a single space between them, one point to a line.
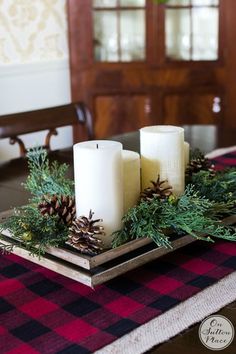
105 36
178 2
192 28
205 2
205 36
132 34
104 3
132 3
178 34
119 32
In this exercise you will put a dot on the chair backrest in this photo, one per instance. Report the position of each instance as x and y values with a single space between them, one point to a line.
74 114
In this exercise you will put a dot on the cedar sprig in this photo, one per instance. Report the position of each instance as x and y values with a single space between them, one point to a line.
220 188
196 212
33 231
46 178
29 227
190 213
141 221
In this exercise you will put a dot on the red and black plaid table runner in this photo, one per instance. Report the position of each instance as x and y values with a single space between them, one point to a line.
225 160
43 312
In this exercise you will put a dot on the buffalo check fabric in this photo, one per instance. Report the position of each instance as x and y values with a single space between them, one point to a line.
43 312
224 161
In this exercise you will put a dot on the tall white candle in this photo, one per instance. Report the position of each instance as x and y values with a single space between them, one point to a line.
99 183
162 152
131 178
186 153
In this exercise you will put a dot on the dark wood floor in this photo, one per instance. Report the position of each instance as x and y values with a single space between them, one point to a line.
189 342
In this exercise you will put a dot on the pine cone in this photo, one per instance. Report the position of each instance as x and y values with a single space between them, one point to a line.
83 235
159 189
199 163
63 206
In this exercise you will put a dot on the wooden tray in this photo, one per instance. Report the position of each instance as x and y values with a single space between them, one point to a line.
95 270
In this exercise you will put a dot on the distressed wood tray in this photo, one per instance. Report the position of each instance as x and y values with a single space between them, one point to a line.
95 270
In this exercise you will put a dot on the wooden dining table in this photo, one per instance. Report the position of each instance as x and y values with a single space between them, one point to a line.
13 174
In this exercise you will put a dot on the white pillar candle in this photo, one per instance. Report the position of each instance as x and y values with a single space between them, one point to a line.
162 152
99 183
131 178
186 153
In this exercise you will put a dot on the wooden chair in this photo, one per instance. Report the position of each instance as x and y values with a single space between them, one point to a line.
75 114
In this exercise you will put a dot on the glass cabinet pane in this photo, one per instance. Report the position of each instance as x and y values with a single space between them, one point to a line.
132 3
132 35
192 29
205 33
105 36
178 2
120 31
178 34
205 2
104 3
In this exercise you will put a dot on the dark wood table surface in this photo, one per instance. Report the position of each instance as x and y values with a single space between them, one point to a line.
14 172
208 137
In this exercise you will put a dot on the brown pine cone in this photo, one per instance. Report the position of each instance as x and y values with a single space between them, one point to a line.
199 163
159 189
63 206
83 235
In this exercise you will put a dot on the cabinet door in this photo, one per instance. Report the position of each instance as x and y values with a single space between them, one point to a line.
134 62
197 108
121 113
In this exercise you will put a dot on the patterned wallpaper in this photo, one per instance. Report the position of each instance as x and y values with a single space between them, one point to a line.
32 30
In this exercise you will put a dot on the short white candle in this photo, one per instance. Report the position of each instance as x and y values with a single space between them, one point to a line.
186 153
99 183
162 152
131 178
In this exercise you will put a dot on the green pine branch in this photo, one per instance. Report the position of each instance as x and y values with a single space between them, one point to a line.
34 231
220 188
28 226
190 214
197 212
45 178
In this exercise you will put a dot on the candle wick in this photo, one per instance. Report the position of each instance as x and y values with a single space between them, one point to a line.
97 146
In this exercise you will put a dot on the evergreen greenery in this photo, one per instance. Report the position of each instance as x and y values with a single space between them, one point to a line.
34 231
220 188
45 178
207 198
190 214
30 228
